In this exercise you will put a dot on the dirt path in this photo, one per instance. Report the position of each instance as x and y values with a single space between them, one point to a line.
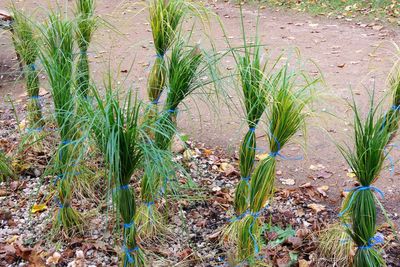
343 51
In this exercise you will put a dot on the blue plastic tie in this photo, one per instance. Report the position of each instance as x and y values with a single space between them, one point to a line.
252 129
128 253
60 206
124 187
255 215
246 179
171 110
58 178
239 217
396 108
36 97
32 66
377 239
129 225
67 142
277 153
39 129
357 189
149 204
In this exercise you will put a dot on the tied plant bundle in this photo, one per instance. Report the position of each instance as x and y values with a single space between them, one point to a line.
26 45
183 73
86 24
335 245
254 89
117 133
121 137
165 18
285 116
57 58
366 160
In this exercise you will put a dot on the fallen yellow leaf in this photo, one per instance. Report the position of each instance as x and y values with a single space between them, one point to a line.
351 175
38 208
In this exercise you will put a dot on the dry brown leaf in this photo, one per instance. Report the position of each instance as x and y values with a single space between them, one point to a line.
316 207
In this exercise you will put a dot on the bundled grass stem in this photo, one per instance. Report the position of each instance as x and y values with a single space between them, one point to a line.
121 136
165 18
87 23
285 116
26 45
252 78
183 72
57 59
116 129
331 245
366 161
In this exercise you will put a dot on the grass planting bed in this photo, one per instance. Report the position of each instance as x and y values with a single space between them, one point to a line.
296 217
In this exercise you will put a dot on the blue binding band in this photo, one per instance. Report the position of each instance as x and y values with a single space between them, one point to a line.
129 225
246 179
171 110
60 206
358 189
396 108
148 204
124 187
252 129
32 66
128 253
255 215
377 239
39 129
67 142
277 153
36 97
239 217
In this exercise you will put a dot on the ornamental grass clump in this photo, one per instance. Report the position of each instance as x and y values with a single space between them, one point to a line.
86 24
285 116
121 136
57 58
26 45
185 68
165 18
366 160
